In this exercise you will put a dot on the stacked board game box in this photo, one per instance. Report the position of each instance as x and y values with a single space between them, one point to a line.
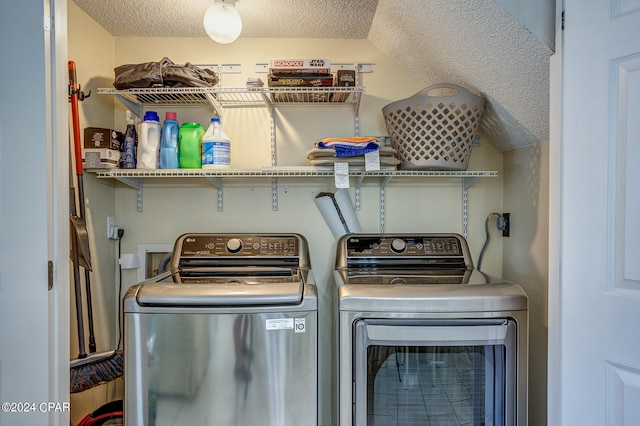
300 73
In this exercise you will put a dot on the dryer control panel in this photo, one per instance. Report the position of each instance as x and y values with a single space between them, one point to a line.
435 249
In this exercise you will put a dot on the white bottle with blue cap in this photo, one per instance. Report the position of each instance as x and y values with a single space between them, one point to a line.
216 146
149 141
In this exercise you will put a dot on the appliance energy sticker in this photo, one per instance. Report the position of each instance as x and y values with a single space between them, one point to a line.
299 325
280 324
341 174
372 160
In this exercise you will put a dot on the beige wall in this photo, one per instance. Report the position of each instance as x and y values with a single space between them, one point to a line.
92 48
172 207
525 258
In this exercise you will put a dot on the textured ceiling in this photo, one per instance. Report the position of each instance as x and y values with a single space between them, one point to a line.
473 43
261 18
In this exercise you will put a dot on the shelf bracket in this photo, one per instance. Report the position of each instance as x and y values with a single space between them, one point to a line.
217 182
383 184
359 180
467 182
382 205
135 184
274 194
217 107
133 106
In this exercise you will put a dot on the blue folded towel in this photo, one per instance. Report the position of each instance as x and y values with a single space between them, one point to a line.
350 149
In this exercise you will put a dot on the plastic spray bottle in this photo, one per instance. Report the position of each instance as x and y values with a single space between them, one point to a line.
216 146
149 141
169 143
130 143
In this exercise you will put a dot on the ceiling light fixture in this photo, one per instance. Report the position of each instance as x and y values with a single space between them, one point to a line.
222 21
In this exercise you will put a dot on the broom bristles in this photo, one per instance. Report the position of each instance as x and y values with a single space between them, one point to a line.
95 370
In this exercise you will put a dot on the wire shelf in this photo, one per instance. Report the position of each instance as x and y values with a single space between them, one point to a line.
283 172
236 96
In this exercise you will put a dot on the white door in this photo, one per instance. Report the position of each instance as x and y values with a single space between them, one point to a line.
599 255
34 343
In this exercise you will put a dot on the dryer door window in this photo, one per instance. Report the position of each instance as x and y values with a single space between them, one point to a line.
453 372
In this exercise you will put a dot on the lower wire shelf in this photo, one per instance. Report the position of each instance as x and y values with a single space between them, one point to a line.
135 177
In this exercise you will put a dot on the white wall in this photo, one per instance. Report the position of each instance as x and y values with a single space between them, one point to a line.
525 258
537 16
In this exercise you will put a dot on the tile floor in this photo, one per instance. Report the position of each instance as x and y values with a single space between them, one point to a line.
428 389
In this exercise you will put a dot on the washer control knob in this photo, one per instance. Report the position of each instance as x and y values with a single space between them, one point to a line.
234 245
398 245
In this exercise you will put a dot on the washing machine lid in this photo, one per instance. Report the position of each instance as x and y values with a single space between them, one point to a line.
472 291
247 290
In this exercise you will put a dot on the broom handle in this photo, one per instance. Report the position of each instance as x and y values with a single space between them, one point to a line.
73 97
74 94
76 273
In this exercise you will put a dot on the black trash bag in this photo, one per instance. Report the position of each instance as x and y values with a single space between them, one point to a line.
188 76
162 74
144 75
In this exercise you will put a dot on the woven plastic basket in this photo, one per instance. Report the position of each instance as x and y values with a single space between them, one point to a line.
435 128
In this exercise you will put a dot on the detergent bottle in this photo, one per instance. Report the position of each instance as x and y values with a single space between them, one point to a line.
216 146
190 145
149 141
169 143
130 144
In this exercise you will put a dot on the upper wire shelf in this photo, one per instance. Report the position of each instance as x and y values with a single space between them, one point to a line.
219 97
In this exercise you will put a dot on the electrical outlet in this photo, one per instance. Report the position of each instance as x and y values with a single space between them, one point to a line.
112 229
111 225
506 229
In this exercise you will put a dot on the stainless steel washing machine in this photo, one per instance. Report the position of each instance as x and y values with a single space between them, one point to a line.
227 337
424 338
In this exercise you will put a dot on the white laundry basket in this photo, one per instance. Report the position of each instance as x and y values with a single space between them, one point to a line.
435 128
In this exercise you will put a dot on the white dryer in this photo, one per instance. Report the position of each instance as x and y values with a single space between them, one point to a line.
424 338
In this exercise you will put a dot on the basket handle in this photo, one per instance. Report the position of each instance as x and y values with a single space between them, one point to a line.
457 90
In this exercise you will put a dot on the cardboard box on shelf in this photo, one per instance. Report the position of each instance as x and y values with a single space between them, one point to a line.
101 148
294 63
344 78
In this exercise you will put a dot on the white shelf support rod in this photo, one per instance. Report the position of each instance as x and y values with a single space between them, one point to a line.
359 180
218 184
383 184
274 157
274 194
135 184
382 202
467 182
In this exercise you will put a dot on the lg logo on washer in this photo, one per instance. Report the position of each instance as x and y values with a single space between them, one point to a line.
299 325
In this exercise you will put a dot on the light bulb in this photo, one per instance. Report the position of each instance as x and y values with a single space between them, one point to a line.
222 22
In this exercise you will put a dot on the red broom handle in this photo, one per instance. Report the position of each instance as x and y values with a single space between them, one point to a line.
73 97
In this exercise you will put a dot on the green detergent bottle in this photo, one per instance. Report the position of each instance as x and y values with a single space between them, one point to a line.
190 145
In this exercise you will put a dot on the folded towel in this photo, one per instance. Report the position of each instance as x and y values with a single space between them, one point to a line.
384 151
349 146
354 161
354 140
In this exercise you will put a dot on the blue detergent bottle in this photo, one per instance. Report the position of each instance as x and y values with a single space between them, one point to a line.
169 142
